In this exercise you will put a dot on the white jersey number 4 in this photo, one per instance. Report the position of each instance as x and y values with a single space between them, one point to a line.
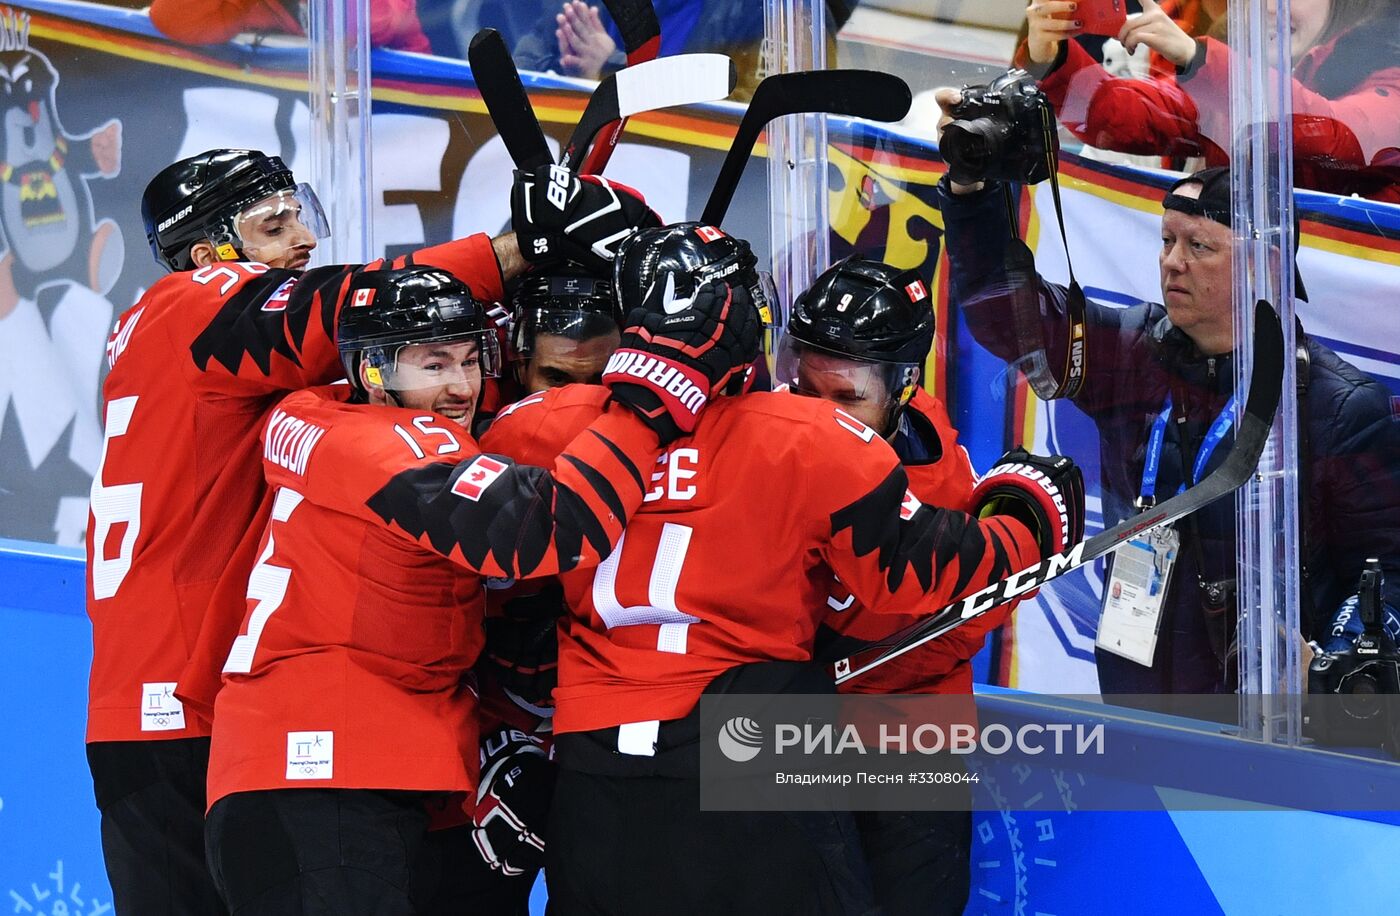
661 591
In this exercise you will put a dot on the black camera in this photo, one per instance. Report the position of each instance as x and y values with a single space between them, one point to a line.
1355 692
1002 131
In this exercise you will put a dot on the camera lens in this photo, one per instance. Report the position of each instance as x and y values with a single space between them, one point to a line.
1360 693
970 147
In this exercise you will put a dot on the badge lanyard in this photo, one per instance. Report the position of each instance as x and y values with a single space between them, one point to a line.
1147 496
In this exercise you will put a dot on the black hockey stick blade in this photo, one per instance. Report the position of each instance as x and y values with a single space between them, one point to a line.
685 79
867 94
1265 385
641 39
505 98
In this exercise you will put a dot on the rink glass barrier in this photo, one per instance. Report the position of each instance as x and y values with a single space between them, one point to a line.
129 98
1125 137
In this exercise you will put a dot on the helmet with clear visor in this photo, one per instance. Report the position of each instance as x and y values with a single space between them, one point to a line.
859 336
244 204
572 305
415 329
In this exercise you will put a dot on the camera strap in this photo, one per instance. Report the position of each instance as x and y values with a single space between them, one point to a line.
1021 268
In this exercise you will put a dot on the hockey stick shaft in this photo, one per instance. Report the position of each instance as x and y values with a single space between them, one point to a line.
1266 382
685 79
510 109
641 39
865 94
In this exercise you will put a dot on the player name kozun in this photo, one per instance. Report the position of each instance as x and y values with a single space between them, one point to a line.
290 440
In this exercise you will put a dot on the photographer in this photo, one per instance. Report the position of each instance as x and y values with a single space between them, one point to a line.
1158 382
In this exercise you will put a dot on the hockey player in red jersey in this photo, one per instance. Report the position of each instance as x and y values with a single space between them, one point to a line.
859 337
720 584
344 712
179 500
564 326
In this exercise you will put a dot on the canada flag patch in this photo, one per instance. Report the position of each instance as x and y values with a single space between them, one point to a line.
277 302
909 506
708 233
916 291
361 298
480 474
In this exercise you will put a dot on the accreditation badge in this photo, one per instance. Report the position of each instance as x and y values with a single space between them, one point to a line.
1134 594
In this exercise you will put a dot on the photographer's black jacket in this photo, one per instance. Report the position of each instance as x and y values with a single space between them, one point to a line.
1135 358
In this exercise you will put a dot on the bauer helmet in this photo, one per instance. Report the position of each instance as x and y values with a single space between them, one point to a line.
206 198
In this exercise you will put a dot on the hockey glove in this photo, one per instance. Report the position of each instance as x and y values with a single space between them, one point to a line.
559 216
677 354
522 645
1044 493
512 801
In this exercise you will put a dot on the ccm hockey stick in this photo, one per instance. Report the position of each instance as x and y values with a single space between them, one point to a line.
641 39
858 93
684 79
1265 384
506 101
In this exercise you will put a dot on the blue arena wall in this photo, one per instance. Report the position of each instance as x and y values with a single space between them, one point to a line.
1065 862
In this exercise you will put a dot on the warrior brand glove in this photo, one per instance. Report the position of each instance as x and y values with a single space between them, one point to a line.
1045 493
1346 625
677 353
522 645
559 216
512 801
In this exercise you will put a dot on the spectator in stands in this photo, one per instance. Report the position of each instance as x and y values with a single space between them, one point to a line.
1346 91
582 40
1159 382
392 23
1198 18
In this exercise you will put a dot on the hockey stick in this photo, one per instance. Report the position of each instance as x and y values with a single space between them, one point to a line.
506 101
859 93
684 79
641 39
1265 384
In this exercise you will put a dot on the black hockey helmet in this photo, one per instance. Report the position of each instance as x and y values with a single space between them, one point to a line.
871 320
693 254
868 310
387 310
201 199
568 302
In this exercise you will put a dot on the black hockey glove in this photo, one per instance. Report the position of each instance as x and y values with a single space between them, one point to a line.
676 354
522 645
559 216
512 801
1044 493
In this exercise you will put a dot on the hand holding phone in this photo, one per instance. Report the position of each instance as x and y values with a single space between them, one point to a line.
1102 17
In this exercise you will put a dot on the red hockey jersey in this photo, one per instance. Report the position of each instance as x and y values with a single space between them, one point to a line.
728 560
178 498
364 608
942 665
